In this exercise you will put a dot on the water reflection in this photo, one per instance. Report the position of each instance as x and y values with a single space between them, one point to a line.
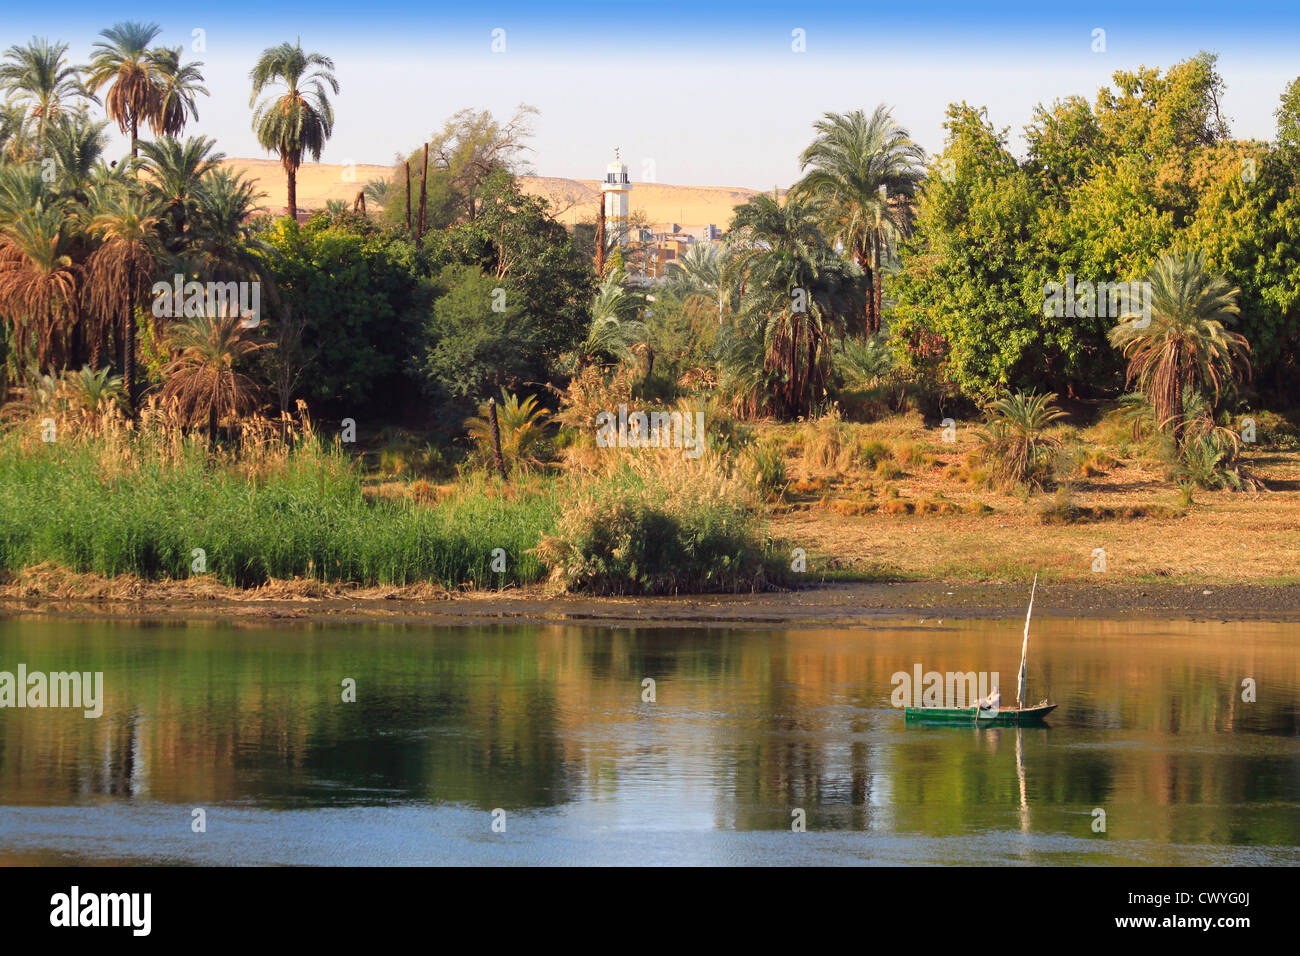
550 724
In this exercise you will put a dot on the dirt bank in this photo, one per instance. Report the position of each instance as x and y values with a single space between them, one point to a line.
49 593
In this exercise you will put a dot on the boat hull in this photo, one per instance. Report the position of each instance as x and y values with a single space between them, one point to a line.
1006 716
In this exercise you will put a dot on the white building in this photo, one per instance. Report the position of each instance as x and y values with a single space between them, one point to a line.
614 191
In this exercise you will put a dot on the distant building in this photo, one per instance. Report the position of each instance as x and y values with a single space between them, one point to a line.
614 191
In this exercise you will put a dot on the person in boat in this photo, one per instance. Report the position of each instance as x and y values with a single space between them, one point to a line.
992 702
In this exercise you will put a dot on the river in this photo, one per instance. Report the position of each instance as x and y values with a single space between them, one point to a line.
221 743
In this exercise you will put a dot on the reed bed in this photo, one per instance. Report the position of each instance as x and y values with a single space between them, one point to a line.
147 499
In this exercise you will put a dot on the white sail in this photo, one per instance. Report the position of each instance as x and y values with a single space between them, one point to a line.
1024 650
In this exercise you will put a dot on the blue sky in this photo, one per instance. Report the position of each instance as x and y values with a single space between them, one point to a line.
703 94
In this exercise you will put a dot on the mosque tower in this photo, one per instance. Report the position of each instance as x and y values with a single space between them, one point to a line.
614 193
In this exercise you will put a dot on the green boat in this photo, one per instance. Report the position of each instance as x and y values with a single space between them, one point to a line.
1017 716
1002 717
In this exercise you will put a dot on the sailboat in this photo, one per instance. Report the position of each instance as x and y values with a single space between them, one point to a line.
1003 716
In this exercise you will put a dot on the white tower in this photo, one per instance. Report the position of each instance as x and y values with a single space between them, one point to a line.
614 192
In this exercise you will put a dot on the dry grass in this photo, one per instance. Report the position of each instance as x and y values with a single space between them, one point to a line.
936 517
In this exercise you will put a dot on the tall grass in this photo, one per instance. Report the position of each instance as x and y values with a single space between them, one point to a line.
123 504
659 524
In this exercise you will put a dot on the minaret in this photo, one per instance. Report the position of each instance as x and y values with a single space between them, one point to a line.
614 192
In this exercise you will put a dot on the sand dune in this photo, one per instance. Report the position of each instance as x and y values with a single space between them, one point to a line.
573 200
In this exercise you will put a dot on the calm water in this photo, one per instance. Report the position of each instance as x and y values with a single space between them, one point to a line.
548 724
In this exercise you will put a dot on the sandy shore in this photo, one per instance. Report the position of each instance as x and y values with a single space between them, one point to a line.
827 605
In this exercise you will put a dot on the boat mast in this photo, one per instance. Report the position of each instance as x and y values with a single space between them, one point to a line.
1024 650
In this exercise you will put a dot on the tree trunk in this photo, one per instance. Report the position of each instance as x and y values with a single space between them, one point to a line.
408 197
875 284
1176 411
293 194
600 240
212 428
864 262
496 438
135 129
128 356
424 193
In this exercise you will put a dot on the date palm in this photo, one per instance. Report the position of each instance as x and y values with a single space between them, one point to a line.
40 283
13 143
120 272
699 274
76 143
178 85
1182 343
21 189
616 325
863 173
297 122
521 423
175 169
202 380
124 61
795 296
1014 442
224 246
39 80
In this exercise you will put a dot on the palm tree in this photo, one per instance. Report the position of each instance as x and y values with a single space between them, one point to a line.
177 87
699 274
378 191
40 283
522 425
864 174
12 120
124 59
76 144
795 295
39 80
301 119
120 272
224 246
1014 442
1180 342
176 168
92 393
616 325
21 189
201 379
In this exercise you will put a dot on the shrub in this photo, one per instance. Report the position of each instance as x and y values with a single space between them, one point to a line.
1014 443
659 526
521 424
766 464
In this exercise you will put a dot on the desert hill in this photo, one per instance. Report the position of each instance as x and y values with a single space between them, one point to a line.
572 200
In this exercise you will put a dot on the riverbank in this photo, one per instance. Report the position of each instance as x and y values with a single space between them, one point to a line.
51 593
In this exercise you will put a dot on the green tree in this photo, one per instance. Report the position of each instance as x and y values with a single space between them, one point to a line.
1183 343
124 61
479 338
358 295
864 175
968 304
40 81
514 239
796 295
120 272
298 122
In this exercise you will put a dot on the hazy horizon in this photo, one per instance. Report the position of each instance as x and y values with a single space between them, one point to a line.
686 94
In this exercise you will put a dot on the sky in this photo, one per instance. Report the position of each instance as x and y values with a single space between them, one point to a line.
695 94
